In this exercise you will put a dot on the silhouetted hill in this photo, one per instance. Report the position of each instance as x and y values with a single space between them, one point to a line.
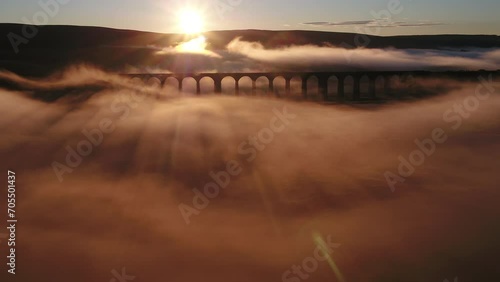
56 46
81 36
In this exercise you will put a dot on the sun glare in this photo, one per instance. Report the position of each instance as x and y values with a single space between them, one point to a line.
190 22
196 45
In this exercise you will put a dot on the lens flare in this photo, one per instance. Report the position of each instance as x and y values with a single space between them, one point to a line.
320 242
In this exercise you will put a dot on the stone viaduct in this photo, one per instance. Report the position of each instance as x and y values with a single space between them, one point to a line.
370 77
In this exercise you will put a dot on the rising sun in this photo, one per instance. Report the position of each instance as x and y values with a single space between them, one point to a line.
191 22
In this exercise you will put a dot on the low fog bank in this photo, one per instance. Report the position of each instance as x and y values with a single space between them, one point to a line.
247 54
322 171
317 58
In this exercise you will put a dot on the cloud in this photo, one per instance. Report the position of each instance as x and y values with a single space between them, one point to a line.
197 46
323 173
315 58
337 23
377 23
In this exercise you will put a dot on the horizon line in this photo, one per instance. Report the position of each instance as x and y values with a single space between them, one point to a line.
248 29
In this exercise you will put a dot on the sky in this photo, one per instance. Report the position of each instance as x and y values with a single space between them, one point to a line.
377 17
